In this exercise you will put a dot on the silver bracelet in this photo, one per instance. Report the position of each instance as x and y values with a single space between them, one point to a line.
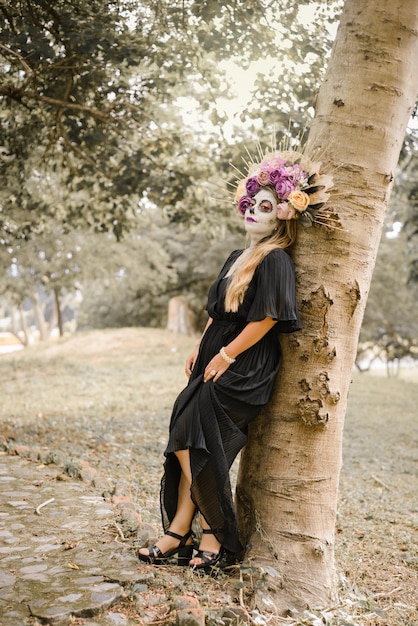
226 357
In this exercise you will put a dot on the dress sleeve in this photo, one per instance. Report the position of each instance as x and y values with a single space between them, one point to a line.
275 294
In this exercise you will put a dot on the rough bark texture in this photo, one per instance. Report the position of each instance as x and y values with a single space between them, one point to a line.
289 471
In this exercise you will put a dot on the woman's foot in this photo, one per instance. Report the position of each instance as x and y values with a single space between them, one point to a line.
169 545
209 553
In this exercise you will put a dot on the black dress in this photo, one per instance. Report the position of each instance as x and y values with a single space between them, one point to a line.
211 419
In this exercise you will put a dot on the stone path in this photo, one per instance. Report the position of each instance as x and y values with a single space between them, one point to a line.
60 551
67 552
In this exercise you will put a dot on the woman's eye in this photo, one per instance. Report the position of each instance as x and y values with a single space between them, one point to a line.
265 207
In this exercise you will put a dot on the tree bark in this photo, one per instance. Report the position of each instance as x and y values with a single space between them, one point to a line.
288 478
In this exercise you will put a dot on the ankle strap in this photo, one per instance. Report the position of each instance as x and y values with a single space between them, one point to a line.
179 537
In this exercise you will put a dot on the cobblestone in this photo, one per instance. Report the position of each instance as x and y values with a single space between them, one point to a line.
61 554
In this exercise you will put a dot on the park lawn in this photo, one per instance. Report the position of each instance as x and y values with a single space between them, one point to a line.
106 396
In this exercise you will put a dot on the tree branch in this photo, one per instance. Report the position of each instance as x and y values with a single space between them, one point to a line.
18 94
26 67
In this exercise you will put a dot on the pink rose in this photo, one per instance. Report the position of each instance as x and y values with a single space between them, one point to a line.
285 211
263 177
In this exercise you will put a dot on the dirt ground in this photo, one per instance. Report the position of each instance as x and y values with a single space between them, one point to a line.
106 396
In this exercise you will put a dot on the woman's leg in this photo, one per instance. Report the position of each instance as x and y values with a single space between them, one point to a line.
185 506
182 520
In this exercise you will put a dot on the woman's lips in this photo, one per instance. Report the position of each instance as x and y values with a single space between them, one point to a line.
250 219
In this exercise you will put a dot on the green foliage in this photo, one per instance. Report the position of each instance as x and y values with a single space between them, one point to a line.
137 277
289 90
93 139
50 260
87 99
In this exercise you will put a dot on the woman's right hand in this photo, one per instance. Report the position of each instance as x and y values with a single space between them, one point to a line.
191 361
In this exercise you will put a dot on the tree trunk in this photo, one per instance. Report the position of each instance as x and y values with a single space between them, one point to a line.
13 321
180 318
289 472
56 317
24 326
39 316
15 326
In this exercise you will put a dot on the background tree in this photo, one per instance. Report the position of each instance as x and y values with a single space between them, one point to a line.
41 270
408 200
288 482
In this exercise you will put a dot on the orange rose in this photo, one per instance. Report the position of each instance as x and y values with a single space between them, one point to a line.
299 200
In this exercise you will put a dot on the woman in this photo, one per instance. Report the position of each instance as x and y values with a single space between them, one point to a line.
233 368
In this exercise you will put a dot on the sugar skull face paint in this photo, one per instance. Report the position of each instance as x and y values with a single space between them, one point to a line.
261 218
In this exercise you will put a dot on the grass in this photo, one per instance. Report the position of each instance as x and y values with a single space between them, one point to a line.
106 396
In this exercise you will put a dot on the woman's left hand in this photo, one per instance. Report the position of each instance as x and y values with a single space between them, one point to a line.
215 368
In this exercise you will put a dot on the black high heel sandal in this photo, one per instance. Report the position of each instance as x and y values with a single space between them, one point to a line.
210 559
184 552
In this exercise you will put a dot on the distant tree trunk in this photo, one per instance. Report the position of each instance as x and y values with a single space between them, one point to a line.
39 316
56 316
58 312
53 320
13 320
17 332
289 472
180 318
24 327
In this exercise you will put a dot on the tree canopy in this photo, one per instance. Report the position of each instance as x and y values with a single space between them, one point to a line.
96 137
89 121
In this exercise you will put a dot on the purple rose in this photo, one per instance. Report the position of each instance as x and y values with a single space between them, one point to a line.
287 173
252 185
244 203
297 173
284 187
275 176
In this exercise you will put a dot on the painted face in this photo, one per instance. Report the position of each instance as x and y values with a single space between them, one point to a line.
261 217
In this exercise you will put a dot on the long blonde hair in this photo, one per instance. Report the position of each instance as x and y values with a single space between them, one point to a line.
247 263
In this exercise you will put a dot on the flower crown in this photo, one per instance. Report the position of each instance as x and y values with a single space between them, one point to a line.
301 188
